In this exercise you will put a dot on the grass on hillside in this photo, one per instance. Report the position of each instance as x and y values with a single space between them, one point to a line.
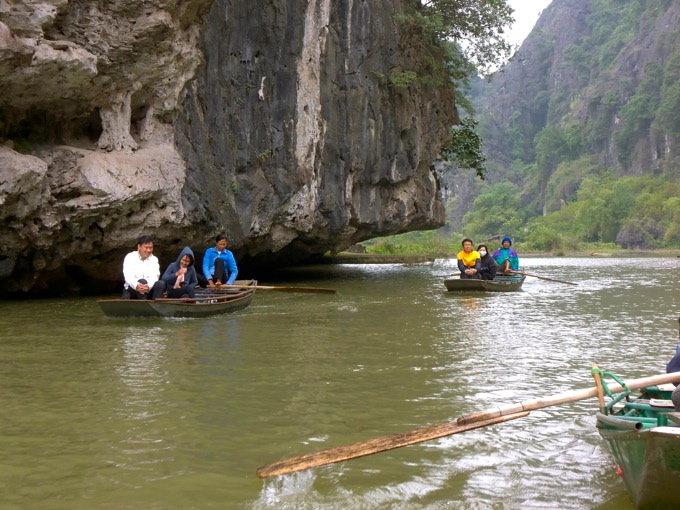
433 243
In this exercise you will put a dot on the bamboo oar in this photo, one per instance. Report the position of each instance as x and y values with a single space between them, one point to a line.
543 277
363 448
467 422
311 290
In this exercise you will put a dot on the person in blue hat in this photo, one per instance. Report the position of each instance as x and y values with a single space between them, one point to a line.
506 258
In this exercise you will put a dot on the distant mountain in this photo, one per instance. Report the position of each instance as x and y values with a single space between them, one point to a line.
597 83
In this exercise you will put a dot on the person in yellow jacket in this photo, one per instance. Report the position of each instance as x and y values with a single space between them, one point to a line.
469 261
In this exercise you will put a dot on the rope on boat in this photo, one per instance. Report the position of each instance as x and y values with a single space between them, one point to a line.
613 400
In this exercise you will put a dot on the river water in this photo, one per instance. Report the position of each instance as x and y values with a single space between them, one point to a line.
103 413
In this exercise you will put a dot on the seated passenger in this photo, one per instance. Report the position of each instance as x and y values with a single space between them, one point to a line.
506 257
180 276
674 366
469 262
219 264
141 272
489 266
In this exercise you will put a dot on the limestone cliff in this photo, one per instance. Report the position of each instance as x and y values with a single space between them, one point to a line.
274 123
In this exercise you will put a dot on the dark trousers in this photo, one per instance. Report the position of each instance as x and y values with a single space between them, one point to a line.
183 291
676 398
202 280
155 292
220 271
475 276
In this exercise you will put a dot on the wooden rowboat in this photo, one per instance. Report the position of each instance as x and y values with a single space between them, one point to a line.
501 283
643 435
204 305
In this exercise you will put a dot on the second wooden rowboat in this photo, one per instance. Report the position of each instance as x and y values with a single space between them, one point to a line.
501 283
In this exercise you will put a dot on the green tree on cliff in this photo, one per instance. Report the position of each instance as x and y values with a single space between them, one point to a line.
476 27
456 40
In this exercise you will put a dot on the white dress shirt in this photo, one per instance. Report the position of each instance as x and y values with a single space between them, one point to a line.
135 268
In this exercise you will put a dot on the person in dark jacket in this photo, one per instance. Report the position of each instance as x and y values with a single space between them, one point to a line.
674 366
489 266
180 276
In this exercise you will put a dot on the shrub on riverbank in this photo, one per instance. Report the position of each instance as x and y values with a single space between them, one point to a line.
435 244
412 243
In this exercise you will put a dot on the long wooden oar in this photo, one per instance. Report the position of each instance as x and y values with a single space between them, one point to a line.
467 422
312 290
543 277
380 444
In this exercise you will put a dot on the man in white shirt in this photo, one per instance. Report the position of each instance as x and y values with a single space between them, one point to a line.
141 272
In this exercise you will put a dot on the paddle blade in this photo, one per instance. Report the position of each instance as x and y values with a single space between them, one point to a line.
371 446
308 290
544 278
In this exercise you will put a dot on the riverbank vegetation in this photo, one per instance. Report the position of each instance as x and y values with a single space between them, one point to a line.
641 213
443 243
453 42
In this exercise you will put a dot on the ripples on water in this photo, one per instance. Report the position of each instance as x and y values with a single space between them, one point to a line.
105 413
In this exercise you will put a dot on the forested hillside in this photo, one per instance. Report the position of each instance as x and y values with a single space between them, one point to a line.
581 132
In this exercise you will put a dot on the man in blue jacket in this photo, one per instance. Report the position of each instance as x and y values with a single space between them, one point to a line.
219 264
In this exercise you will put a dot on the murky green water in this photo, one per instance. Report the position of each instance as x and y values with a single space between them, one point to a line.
101 413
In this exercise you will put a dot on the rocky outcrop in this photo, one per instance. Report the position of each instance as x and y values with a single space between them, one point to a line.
274 123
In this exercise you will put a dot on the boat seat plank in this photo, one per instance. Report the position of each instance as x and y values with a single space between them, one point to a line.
655 402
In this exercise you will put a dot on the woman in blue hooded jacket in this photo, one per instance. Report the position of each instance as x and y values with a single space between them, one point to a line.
180 276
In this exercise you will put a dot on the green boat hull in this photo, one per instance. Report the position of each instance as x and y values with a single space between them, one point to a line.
498 284
646 446
650 464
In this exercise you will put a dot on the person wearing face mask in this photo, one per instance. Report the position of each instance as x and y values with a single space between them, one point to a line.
489 266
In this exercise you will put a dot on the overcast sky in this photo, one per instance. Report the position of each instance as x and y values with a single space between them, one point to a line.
526 13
